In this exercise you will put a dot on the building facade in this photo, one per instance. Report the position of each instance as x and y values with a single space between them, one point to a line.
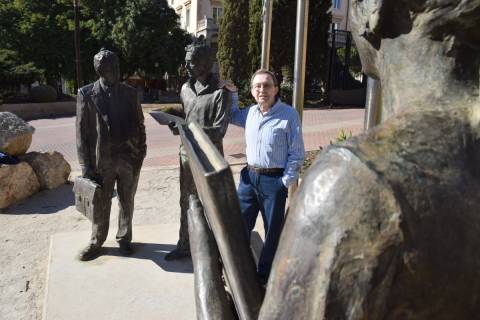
340 14
200 17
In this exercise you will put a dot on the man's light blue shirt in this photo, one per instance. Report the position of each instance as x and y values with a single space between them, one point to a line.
274 139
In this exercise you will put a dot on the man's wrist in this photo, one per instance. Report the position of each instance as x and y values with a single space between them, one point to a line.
285 181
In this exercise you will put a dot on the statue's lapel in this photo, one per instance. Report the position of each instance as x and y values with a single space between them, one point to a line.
211 86
99 101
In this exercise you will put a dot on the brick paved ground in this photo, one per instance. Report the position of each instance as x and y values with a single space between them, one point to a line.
320 126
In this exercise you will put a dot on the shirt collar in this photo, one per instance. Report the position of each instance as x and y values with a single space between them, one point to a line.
272 109
107 89
212 85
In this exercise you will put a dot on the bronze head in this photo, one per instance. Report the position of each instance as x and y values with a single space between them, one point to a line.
107 67
198 60
411 44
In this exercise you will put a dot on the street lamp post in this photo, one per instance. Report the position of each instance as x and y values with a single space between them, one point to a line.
373 104
300 56
267 31
300 59
77 44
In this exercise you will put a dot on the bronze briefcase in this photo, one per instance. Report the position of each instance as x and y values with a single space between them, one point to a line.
87 196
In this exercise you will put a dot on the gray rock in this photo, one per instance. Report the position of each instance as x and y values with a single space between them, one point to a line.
17 182
15 134
51 168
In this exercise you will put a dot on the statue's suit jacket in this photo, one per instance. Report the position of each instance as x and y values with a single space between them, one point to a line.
93 128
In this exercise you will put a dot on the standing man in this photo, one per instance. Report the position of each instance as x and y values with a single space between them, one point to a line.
275 153
207 103
111 148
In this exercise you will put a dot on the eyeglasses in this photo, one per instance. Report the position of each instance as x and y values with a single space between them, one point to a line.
265 86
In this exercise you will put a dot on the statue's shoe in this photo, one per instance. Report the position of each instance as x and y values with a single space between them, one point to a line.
178 254
90 252
125 248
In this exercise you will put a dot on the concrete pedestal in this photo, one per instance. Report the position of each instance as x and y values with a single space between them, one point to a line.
142 286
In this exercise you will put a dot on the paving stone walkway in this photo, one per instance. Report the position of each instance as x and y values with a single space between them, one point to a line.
320 126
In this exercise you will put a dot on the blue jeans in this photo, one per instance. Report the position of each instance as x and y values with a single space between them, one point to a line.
267 194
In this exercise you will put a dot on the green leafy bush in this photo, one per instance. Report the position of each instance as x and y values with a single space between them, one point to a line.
43 93
342 136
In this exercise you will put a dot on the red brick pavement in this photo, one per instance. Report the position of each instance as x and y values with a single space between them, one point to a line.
319 128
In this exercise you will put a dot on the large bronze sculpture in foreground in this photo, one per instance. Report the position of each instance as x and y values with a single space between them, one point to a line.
386 225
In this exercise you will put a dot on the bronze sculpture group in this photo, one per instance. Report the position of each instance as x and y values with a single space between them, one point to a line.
384 226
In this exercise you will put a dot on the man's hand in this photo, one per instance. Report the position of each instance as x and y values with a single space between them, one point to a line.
173 128
228 84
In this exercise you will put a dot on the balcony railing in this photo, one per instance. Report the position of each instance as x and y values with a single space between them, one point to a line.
206 23
340 38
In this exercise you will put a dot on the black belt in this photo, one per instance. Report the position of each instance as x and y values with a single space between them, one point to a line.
266 170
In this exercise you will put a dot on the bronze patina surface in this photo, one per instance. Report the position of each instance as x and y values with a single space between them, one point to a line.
386 225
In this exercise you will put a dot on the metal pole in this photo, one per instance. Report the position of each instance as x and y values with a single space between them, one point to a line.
267 32
78 84
299 69
331 65
373 104
300 56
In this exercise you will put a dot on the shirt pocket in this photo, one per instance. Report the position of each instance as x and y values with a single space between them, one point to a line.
277 137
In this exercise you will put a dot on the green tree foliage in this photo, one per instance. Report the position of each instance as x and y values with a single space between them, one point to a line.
255 34
145 33
318 50
233 41
14 72
282 47
149 34
9 18
45 36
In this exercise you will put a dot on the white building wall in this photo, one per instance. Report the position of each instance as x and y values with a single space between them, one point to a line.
201 17
340 15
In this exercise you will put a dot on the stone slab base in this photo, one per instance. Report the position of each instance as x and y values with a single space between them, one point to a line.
142 286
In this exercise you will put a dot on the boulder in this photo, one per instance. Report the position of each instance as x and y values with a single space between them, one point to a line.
15 134
17 182
51 168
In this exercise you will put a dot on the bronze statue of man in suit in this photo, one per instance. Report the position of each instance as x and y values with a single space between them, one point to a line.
207 102
111 146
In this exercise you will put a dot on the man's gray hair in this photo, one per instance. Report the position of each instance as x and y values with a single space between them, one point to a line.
264 71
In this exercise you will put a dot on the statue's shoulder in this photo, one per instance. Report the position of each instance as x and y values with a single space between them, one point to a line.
185 86
86 90
426 139
128 88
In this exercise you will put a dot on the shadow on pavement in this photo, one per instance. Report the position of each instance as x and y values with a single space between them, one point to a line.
45 202
155 252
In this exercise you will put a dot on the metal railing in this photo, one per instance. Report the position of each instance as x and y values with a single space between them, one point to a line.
206 23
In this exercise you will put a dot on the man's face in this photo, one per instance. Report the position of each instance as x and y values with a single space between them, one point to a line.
109 72
264 90
195 66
